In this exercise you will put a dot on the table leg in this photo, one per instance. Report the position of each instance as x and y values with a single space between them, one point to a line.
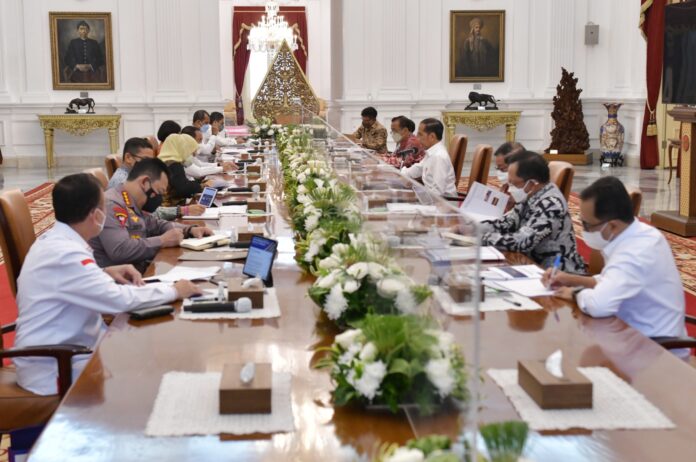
113 140
510 132
48 138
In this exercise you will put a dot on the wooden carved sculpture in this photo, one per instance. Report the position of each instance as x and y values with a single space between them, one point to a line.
569 135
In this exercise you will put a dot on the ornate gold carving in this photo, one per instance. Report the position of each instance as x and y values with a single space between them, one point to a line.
79 125
284 82
482 121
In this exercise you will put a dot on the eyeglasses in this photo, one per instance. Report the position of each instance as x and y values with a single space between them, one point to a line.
588 226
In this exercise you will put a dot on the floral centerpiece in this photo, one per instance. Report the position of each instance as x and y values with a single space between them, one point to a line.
393 360
264 128
434 448
360 278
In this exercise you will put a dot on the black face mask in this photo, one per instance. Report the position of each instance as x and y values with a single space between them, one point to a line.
153 201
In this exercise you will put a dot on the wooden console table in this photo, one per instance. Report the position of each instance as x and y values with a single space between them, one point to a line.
481 121
79 125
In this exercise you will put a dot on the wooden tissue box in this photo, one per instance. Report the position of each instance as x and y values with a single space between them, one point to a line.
574 391
235 291
256 204
246 398
244 235
262 184
253 168
376 203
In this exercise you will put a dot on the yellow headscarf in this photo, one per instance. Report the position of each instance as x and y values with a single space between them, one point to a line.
177 148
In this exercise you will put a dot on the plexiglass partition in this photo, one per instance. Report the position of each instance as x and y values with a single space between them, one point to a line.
433 242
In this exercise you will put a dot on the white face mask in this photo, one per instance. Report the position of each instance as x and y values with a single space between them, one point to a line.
594 239
396 136
502 176
518 194
101 226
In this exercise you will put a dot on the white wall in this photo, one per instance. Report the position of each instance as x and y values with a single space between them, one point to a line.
172 57
403 46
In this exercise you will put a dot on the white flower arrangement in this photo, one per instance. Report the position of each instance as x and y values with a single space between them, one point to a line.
394 360
359 278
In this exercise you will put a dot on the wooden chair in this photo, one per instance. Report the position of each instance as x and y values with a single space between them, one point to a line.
112 162
480 164
562 174
22 408
16 233
99 175
596 260
671 343
457 153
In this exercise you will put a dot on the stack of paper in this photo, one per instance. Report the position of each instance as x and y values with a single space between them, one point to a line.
463 253
484 203
205 242
214 213
185 272
401 207
523 280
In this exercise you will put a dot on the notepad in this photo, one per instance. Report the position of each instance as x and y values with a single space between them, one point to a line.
192 273
205 242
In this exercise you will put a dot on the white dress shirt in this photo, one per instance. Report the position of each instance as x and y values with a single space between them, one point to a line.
435 170
640 284
61 296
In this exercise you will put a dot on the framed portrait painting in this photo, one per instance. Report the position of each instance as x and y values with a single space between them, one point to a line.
477 46
81 51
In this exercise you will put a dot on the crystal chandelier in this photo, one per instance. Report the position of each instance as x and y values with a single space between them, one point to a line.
268 35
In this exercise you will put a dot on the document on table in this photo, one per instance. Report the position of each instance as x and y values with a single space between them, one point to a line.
463 253
513 272
401 207
192 273
528 287
484 203
214 213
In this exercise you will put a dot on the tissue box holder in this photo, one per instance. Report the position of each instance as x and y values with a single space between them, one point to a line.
235 291
245 398
549 392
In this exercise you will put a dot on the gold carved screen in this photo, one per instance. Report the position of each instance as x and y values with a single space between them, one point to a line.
284 84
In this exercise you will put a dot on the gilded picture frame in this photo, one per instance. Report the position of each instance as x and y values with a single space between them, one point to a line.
477 46
81 51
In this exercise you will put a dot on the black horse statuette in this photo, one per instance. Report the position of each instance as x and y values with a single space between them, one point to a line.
481 100
79 102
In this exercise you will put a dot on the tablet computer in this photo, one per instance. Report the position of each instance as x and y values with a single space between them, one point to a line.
259 261
207 197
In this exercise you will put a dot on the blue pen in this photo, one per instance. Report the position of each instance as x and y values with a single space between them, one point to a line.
556 265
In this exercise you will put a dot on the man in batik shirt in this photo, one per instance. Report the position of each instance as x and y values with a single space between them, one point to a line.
371 134
408 150
539 224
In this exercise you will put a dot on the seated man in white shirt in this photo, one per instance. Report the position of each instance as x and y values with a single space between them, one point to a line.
435 170
640 282
62 293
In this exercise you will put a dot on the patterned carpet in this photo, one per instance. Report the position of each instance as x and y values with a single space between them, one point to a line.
41 209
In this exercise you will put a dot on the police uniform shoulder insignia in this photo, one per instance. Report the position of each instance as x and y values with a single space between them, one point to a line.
121 215
126 199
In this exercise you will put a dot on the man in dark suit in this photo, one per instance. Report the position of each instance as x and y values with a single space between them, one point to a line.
84 60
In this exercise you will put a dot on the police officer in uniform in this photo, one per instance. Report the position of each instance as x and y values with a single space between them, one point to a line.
62 293
132 234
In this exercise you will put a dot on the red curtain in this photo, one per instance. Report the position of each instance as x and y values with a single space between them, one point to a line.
243 19
652 24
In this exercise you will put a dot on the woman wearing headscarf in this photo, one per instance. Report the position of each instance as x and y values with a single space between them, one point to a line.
177 152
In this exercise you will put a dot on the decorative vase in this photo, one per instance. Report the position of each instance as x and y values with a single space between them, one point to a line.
611 136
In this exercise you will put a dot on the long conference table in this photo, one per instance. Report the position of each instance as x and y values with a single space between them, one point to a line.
103 416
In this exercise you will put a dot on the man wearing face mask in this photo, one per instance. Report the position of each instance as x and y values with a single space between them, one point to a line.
640 282
501 167
131 233
371 134
539 225
408 150
62 293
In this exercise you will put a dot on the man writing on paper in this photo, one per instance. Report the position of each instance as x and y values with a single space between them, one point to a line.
435 170
131 233
539 225
640 282
62 293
